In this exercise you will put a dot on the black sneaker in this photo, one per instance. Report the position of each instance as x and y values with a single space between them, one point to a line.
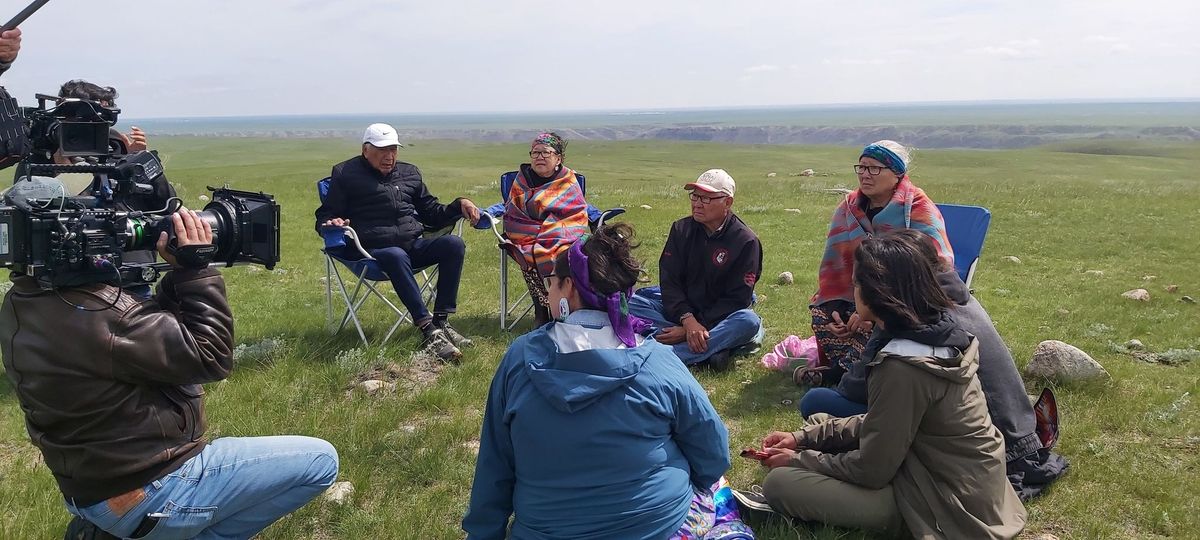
438 344
81 529
752 505
456 338
721 361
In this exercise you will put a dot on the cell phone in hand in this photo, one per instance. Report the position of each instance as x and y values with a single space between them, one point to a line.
750 453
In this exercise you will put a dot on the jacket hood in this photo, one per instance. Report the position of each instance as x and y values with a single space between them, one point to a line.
942 349
572 381
954 287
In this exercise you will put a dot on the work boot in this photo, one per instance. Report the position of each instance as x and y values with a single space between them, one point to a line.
438 344
456 338
721 361
82 529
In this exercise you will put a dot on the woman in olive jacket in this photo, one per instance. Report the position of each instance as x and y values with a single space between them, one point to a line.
925 455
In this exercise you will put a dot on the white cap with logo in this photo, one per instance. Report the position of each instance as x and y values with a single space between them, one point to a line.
381 136
713 181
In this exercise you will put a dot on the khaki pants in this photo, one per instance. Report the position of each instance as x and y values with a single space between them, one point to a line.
809 496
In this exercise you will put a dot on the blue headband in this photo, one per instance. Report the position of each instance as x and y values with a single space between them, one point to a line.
885 156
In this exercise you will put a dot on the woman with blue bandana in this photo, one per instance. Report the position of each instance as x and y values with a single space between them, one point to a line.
885 200
593 430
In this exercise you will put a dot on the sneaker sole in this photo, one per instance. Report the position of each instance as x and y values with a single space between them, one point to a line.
751 503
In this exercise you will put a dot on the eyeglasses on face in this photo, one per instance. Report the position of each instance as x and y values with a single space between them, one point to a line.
548 281
871 170
706 199
541 153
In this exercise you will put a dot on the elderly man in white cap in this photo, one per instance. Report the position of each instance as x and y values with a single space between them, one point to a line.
388 205
706 277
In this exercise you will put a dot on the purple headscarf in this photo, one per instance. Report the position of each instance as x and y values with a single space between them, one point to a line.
616 304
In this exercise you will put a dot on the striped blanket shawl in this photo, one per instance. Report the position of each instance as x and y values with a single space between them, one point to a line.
909 208
546 219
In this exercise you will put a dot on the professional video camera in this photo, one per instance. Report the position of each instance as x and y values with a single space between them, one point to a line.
67 241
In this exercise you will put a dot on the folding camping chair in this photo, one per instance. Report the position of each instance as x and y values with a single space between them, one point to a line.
343 249
966 228
523 304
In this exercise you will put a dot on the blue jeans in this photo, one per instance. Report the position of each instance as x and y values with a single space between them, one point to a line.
828 400
739 328
448 252
234 488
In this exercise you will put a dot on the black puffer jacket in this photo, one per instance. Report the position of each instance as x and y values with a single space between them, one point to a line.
385 211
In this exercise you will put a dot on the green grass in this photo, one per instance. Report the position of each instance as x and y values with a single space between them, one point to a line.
1133 442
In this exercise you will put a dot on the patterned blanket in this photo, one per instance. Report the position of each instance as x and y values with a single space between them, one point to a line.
546 219
908 209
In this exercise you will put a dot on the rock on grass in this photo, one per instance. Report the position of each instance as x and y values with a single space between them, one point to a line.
339 493
1141 295
1053 359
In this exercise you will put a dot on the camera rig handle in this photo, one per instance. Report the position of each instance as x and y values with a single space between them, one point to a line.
24 14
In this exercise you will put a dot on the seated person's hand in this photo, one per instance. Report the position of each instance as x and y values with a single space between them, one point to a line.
189 230
469 211
336 222
858 324
136 140
779 439
839 327
780 457
10 44
697 335
671 336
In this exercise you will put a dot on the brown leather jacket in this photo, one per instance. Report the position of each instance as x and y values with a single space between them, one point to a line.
112 397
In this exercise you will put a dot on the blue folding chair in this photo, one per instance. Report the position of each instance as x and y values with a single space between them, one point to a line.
343 249
523 305
966 228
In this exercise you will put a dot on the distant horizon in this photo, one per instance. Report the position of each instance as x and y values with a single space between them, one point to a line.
815 106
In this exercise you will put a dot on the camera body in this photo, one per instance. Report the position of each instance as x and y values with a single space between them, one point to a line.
66 241
75 127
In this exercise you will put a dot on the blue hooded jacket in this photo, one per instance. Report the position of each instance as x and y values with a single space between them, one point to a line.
595 443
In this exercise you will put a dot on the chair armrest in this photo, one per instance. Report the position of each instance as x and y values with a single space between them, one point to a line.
348 237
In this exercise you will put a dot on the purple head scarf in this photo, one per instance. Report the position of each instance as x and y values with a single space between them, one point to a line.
616 304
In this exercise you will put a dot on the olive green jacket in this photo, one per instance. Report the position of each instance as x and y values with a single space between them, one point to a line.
928 434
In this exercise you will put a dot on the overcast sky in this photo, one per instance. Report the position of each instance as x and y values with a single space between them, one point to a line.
227 57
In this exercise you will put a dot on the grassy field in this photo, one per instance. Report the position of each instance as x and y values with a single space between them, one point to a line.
1065 212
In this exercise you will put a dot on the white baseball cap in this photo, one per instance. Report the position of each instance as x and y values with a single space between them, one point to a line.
381 136
713 181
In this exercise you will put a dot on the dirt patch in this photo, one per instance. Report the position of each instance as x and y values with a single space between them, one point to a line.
420 373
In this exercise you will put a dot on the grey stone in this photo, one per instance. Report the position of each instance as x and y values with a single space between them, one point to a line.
1053 359
1172 288
339 493
771 175
807 172
1012 259
1097 273
647 207
1187 299
1141 295
786 278
1135 345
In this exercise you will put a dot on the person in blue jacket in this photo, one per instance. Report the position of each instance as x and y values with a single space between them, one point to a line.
591 429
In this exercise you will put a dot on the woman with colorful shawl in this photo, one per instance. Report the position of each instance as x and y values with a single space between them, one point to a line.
593 430
885 200
544 214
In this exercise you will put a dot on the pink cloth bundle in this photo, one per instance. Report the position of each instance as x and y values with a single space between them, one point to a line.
792 349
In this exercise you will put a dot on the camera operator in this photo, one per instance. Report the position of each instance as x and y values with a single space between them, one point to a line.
10 45
135 141
117 408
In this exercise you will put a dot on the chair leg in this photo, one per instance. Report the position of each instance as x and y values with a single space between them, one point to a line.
503 290
350 307
328 292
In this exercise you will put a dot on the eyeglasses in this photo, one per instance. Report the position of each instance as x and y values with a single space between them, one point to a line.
871 170
548 281
706 200
542 153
